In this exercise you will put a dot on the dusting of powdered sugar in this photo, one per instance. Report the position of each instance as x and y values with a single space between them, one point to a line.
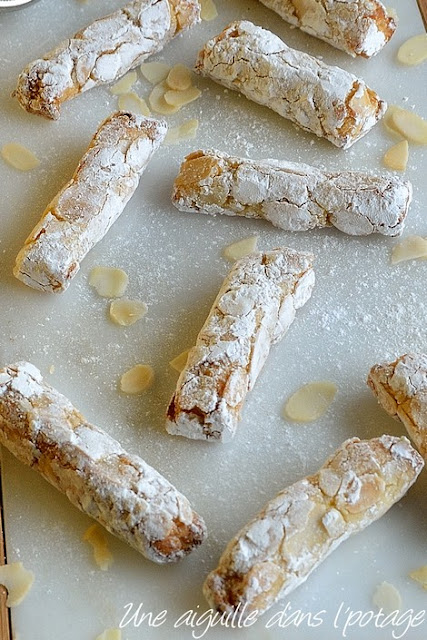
102 52
295 197
84 210
317 97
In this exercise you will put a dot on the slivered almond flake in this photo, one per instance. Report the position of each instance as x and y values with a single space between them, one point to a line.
133 103
387 122
109 282
411 248
387 598
17 581
208 10
391 11
410 125
179 77
181 98
110 634
180 361
396 157
185 131
137 379
310 402
127 312
155 72
413 51
124 84
420 575
101 553
19 156
157 100
240 249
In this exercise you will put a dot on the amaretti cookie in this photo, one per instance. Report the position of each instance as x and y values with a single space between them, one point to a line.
254 308
119 490
297 530
102 52
84 210
401 389
325 100
358 27
292 196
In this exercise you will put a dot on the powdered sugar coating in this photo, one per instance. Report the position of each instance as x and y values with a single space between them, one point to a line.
119 490
297 530
254 308
102 52
84 210
358 27
292 196
324 100
401 389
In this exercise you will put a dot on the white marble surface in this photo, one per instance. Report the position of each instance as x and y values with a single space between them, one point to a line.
362 311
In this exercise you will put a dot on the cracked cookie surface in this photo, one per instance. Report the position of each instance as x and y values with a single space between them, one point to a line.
254 308
297 530
401 389
84 210
102 52
321 99
292 196
358 27
119 490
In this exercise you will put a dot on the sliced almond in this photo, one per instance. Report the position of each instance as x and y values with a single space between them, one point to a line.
110 634
387 122
240 249
208 10
17 581
391 11
137 379
396 157
124 84
132 102
181 98
127 312
413 51
155 72
19 156
101 553
310 402
420 575
179 78
109 282
157 100
180 361
410 125
411 248
185 131
387 598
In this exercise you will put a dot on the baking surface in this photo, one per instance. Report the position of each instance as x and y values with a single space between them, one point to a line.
362 311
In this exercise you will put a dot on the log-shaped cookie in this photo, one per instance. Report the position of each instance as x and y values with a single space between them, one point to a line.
102 52
297 530
119 490
84 210
401 389
358 27
255 307
294 197
324 100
